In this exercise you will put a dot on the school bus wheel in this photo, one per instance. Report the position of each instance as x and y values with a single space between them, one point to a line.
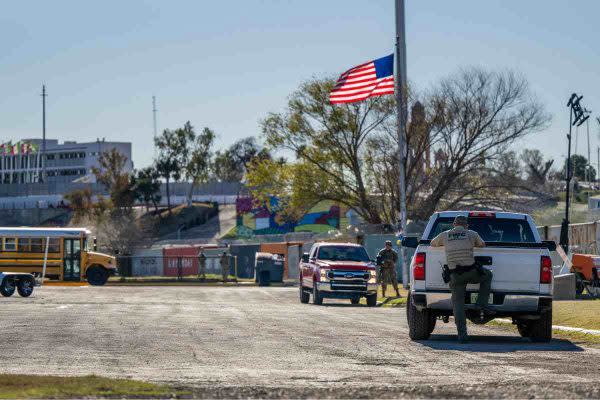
25 287
97 275
7 287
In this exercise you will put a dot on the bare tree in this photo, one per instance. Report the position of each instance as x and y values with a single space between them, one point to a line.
460 144
537 168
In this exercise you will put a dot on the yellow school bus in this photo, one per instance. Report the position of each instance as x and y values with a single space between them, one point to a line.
65 251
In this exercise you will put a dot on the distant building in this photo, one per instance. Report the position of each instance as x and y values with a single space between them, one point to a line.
65 162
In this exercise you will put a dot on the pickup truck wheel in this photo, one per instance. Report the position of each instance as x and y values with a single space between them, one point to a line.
317 298
372 300
25 287
97 276
355 300
419 322
7 288
541 330
304 295
523 329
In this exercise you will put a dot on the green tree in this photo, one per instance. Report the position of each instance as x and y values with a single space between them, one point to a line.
199 165
329 143
146 186
173 147
113 176
232 164
578 166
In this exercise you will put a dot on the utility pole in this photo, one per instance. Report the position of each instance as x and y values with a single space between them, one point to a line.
401 111
576 118
588 174
154 117
43 158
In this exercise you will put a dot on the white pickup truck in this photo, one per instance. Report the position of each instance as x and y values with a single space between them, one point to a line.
514 252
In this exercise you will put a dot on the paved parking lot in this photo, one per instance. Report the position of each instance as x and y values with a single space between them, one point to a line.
228 342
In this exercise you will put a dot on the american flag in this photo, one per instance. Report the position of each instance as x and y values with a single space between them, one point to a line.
374 78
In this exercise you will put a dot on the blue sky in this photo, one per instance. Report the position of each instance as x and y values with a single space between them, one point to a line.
225 64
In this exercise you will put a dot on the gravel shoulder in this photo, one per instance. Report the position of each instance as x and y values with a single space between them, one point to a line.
261 342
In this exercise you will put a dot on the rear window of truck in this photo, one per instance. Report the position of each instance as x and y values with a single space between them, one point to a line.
505 230
343 253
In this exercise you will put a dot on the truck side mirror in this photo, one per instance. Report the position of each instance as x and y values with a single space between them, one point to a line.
95 244
410 242
550 244
305 257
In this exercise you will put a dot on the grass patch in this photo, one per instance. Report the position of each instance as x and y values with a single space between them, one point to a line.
575 337
577 314
391 300
58 387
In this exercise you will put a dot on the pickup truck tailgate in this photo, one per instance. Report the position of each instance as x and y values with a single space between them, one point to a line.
515 269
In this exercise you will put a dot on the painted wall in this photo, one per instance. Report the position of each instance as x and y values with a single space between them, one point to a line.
265 219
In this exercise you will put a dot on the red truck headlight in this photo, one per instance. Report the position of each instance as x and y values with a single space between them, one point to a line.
545 270
419 267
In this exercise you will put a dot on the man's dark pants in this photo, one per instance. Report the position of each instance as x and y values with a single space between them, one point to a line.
458 286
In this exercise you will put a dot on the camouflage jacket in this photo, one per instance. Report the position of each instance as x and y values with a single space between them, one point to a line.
387 257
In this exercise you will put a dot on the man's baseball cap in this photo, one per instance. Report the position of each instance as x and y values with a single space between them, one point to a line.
388 242
461 220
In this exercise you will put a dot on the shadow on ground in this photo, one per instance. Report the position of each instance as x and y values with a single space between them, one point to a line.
497 344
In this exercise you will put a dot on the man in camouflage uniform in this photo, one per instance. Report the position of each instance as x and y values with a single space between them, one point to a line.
224 266
202 265
387 259
458 244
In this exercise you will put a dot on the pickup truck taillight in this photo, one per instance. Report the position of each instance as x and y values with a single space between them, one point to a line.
419 267
545 270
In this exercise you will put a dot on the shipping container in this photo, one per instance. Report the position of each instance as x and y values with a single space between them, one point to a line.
147 262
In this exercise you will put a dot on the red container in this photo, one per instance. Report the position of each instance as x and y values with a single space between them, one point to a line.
189 260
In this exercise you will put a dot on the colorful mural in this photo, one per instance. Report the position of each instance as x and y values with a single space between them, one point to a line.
264 219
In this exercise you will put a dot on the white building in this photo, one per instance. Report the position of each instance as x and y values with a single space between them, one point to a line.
65 162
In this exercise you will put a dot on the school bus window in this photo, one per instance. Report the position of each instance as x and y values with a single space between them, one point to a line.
23 245
10 244
37 245
53 245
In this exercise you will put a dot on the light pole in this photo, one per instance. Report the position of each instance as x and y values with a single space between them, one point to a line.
400 81
576 118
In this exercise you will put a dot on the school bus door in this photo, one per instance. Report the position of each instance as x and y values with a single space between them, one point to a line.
72 260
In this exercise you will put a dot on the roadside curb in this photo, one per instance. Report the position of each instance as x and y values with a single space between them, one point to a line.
559 328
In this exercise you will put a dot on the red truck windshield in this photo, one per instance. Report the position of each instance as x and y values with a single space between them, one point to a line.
491 229
343 253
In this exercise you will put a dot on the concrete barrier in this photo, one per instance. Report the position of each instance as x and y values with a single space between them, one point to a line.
564 287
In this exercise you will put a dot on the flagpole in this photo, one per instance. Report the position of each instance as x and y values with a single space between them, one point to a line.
401 99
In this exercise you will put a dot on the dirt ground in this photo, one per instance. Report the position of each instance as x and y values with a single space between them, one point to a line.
261 342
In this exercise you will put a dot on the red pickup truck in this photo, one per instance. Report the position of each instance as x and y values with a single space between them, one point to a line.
339 271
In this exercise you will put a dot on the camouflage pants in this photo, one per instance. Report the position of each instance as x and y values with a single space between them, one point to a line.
202 270
387 274
225 272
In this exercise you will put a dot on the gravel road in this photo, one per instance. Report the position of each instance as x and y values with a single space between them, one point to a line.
261 342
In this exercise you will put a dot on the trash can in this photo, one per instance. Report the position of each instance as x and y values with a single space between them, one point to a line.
268 268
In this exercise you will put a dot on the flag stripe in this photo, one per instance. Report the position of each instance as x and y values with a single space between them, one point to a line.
374 78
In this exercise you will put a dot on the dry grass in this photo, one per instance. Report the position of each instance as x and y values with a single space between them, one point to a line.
578 314
58 387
